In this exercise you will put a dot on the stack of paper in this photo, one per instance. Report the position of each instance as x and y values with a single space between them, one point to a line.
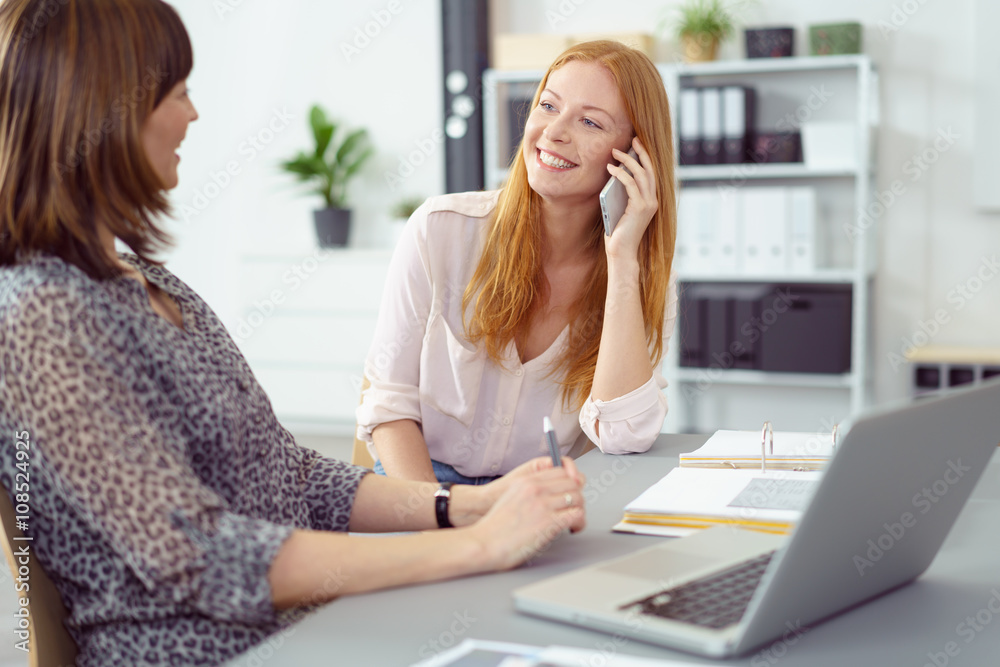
481 653
742 449
690 499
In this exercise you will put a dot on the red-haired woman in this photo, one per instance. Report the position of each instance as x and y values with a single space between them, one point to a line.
179 521
505 307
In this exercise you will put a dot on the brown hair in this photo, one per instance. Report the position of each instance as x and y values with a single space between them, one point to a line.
508 277
78 78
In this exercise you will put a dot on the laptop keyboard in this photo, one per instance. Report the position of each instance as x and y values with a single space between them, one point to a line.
713 602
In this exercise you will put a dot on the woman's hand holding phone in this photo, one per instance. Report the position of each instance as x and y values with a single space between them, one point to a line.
635 174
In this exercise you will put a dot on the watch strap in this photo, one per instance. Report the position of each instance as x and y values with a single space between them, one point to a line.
442 500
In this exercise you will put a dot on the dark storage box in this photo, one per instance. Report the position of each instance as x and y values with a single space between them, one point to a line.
771 147
770 42
813 335
791 328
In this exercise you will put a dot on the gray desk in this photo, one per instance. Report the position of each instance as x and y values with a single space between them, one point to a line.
399 627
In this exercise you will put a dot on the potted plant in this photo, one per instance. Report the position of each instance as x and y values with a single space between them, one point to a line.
328 169
701 26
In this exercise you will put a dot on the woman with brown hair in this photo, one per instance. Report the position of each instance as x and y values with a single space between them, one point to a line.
179 521
505 307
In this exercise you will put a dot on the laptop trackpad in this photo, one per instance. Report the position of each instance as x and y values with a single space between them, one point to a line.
665 566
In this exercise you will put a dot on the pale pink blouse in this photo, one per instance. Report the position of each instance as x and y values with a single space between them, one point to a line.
480 417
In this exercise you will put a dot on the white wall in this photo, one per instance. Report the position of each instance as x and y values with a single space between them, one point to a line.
932 238
263 56
256 63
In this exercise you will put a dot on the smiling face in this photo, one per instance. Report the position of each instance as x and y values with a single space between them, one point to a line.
165 129
568 137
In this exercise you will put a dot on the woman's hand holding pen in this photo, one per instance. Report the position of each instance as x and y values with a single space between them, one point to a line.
533 504
642 202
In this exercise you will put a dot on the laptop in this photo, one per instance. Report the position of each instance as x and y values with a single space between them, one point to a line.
882 509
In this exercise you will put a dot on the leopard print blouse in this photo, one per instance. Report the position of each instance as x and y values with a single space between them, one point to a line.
160 484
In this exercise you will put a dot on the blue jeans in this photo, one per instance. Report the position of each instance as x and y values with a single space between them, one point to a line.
444 473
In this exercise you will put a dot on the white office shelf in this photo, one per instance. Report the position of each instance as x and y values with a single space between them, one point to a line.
757 378
823 277
729 173
770 65
826 88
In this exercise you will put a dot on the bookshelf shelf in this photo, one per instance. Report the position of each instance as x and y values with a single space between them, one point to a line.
742 377
751 171
820 277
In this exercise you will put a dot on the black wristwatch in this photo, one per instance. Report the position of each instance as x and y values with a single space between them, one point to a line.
442 499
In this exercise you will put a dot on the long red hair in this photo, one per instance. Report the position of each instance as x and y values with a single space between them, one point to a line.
508 279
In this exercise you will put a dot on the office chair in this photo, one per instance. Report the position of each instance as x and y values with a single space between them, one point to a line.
49 642
359 453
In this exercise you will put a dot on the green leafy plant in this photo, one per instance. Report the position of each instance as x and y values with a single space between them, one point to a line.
332 164
704 17
404 208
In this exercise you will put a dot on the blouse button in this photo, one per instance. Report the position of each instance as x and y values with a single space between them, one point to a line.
506 421
244 385
258 418
519 372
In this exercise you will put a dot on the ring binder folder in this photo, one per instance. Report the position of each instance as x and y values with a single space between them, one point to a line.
768 429
716 483
781 450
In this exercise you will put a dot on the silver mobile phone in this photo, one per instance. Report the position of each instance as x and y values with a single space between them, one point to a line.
614 199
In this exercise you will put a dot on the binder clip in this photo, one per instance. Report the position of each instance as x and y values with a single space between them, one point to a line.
766 431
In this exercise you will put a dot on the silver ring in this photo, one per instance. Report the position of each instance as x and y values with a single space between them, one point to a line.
569 500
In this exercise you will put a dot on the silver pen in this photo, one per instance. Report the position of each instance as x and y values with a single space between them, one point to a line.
550 438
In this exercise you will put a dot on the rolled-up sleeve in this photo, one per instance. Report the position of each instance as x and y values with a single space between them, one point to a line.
393 363
329 488
630 423
127 480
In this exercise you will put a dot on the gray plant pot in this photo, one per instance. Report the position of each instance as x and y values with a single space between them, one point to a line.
333 227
